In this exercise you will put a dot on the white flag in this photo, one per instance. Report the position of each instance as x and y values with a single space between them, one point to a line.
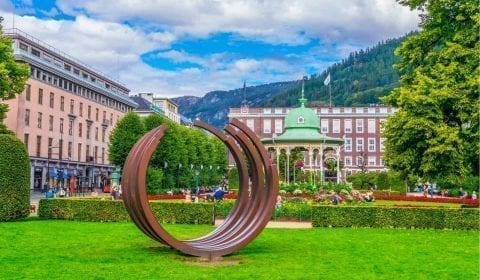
327 80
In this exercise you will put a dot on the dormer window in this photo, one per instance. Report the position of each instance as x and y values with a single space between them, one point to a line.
301 119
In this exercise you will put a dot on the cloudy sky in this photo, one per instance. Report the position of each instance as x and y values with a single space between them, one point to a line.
190 47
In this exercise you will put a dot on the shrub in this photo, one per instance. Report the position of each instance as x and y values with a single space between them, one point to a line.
96 210
15 179
398 217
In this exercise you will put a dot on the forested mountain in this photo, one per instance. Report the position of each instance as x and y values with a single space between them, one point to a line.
360 79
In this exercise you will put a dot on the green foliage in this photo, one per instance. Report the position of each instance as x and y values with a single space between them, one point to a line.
233 180
13 74
472 183
436 130
125 134
362 180
390 180
95 210
14 179
154 180
408 217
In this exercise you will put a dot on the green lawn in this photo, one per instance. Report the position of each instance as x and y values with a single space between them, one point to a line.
36 249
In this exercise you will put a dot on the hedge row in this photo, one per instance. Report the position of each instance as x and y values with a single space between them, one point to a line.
14 179
95 210
436 218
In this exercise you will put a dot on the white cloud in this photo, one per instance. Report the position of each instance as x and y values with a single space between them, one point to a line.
99 37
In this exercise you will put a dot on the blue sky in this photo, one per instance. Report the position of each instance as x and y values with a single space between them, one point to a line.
175 48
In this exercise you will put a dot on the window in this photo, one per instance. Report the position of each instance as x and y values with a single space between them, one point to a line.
96 114
88 131
371 125
72 105
359 144
28 88
50 123
80 130
52 99
49 148
25 140
80 109
104 120
111 118
348 126
96 133
250 124
87 153
324 126
278 126
79 152
336 126
267 126
382 144
89 112
40 96
61 125
39 145
60 149
103 134
39 120
359 125
35 52
103 155
95 153
69 150
359 160
70 127
371 144
348 144
267 110
23 46
348 161
372 161
278 110
27 117
62 103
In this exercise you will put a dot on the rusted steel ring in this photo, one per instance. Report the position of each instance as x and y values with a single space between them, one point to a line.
250 214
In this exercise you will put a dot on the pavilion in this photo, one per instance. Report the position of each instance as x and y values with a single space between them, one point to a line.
302 130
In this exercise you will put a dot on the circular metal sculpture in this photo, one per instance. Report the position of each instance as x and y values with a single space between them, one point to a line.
250 214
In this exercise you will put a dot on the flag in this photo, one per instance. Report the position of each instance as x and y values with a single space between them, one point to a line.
327 80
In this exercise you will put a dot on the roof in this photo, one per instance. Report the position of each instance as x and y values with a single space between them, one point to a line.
145 105
302 125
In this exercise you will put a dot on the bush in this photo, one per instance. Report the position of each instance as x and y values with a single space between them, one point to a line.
15 179
437 218
96 210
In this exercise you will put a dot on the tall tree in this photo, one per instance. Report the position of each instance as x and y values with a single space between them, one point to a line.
125 134
13 75
435 131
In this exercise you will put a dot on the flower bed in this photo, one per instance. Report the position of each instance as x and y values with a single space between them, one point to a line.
467 201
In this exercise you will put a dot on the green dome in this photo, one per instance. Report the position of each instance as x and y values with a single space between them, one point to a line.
302 118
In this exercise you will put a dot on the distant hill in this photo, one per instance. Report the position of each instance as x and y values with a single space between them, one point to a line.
213 107
360 79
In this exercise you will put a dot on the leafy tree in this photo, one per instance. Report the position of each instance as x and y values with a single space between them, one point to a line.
125 134
435 132
154 180
13 76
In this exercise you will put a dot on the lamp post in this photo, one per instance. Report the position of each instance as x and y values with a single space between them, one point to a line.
196 181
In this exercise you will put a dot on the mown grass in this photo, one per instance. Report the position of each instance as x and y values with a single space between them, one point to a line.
38 249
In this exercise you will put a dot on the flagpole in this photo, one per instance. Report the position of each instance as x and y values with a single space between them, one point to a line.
330 94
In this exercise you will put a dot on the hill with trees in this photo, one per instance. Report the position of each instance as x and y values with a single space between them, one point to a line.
361 78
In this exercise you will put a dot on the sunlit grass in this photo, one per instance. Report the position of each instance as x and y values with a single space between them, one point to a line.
36 249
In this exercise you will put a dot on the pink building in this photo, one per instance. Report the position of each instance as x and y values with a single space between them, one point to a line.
360 127
64 116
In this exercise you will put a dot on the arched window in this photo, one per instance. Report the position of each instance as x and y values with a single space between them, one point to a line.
301 119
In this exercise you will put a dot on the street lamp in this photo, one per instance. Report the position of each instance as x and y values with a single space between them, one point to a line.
196 181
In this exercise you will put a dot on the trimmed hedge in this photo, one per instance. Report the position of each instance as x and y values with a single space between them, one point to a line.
436 218
14 179
96 210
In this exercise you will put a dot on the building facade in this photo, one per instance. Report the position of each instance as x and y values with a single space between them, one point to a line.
167 106
360 127
64 116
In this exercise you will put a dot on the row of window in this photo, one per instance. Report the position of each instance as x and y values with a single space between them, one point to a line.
359 161
359 147
67 85
267 125
70 126
336 110
56 151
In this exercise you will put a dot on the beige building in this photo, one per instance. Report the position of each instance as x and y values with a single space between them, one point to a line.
64 116
166 106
